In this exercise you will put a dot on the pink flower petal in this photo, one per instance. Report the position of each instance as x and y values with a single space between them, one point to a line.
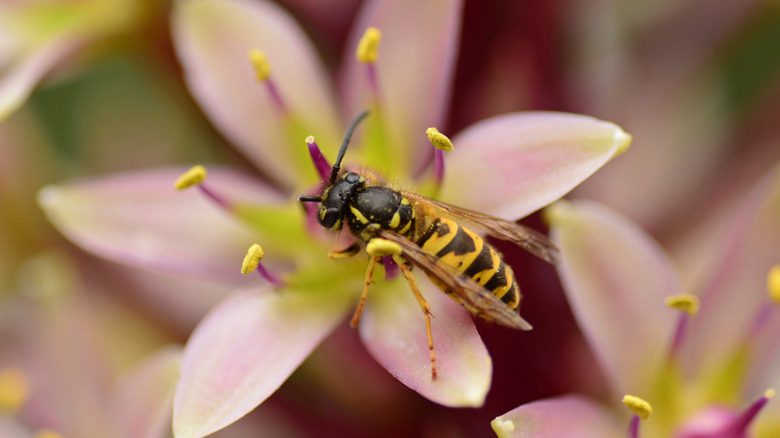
141 220
213 39
735 288
144 397
616 278
569 416
18 80
415 66
10 429
243 351
514 164
393 329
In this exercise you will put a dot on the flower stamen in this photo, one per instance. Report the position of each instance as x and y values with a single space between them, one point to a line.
196 176
366 53
688 305
263 74
442 144
14 390
320 162
192 177
768 308
741 423
391 267
641 409
251 263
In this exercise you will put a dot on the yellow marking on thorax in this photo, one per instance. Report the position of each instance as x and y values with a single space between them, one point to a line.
395 221
436 243
358 215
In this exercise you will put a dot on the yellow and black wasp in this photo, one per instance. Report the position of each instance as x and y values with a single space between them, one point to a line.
440 239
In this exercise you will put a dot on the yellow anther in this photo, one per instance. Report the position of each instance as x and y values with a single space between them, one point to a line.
684 303
369 45
252 259
190 178
773 283
309 139
48 433
260 63
769 393
638 406
381 247
439 140
14 390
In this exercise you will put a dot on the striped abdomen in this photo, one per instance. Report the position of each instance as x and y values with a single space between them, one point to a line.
467 252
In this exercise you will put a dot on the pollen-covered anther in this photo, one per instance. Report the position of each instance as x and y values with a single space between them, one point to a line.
252 259
368 47
190 178
684 303
637 405
773 284
260 63
380 247
439 140
14 390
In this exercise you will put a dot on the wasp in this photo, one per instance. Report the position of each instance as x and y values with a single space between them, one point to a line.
443 241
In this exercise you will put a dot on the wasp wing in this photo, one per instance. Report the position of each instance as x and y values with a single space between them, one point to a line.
474 295
532 241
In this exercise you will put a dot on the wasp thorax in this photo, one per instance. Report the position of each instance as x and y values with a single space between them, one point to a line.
336 200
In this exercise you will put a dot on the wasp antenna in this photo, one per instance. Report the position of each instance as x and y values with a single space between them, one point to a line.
310 198
344 143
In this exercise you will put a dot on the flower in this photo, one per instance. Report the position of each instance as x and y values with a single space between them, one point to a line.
38 35
699 359
248 345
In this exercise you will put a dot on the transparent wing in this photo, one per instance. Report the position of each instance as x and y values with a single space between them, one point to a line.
484 303
532 241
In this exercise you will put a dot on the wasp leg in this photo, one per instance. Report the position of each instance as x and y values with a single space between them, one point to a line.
369 280
343 253
426 310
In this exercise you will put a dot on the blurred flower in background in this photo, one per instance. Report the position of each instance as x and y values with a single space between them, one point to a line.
695 83
706 363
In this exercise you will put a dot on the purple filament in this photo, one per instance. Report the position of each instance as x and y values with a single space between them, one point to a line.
222 202
319 160
271 278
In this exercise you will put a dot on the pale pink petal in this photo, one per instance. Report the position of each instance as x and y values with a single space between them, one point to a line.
415 69
144 397
19 79
213 39
393 329
11 429
570 416
616 278
514 164
140 219
735 288
243 351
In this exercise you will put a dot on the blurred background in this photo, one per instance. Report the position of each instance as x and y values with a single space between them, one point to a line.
697 84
